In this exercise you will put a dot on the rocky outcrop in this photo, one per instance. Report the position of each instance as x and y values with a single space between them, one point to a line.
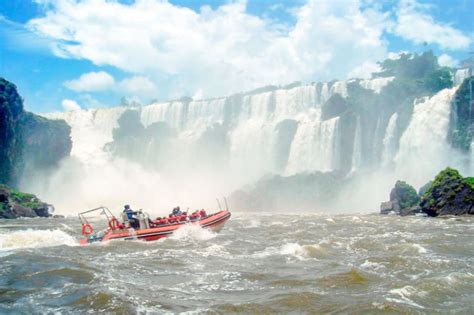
27 141
11 109
15 204
45 142
335 106
450 194
403 200
461 132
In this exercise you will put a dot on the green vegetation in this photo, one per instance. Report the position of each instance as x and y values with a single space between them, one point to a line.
407 195
450 194
470 181
447 175
14 203
25 199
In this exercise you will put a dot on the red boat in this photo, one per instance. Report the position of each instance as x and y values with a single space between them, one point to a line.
146 230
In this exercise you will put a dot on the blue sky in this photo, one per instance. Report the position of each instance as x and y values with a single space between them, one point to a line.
92 53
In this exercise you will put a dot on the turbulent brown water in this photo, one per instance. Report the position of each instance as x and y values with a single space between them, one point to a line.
256 264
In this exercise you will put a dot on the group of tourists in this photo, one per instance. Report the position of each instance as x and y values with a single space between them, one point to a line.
175 216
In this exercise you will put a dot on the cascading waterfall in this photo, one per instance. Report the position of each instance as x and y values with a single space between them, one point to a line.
357 147
313 147
389 145
423 146
461 75
250 129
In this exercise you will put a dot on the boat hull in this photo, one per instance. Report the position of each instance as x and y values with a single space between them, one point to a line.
214 222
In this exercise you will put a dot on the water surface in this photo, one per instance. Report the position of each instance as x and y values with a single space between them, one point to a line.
256 264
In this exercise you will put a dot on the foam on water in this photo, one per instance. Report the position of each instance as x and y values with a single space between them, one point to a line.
35 239
295 250
192 232
406 293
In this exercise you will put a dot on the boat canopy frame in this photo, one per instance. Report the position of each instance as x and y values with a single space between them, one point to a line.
105 211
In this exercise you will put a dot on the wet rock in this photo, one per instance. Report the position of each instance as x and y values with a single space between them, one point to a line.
411 210
21 211
404 200
386 207
423 189
450 194
15 204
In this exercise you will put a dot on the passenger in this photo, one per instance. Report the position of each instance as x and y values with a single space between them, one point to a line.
194 215
131 216
202 213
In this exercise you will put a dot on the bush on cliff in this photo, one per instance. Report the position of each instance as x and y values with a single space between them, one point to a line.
405 194
450 194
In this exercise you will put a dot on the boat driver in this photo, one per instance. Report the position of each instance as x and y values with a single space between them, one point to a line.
131 216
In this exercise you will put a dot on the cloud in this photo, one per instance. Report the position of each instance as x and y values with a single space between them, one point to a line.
90 102
365 70
138 85
91 82
447 61
218 51
70 105
414 24
225 50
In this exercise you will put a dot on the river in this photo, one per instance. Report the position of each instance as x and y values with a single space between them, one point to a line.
267 263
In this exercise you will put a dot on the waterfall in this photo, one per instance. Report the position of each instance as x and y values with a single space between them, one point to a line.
357 147
461 74
423 146
324 93
313 147
389 144
249 145
91 130
171 113
339 87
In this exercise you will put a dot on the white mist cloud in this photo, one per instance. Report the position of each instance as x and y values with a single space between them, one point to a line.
70 105
91 82
417 26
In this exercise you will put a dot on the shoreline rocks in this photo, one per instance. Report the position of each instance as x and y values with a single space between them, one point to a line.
15 204
448 194
403 200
